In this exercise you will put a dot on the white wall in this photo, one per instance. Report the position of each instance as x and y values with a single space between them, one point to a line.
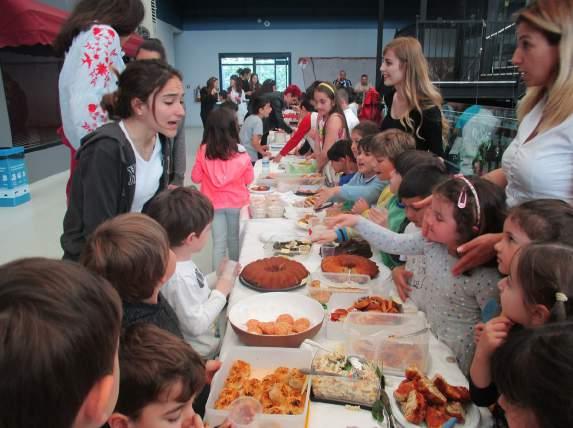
196 52
166 33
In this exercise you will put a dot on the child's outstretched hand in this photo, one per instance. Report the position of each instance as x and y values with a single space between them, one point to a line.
360 206
379 216
343 220
323 237
494 335
400 276
478 330
324 195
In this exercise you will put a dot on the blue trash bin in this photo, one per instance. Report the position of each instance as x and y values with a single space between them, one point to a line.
14 186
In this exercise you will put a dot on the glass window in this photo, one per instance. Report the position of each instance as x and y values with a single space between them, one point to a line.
274 66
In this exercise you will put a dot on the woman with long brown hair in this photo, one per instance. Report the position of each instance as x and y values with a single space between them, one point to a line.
413 104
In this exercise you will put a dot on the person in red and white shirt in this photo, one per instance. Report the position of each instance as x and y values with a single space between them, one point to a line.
91 40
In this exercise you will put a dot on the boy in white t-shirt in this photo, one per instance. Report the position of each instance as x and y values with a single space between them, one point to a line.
187 214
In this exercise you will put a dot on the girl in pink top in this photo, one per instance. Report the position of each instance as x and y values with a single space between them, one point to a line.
224 170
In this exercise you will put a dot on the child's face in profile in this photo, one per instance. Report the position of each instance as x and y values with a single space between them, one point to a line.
366 163
338 165
442 226
384 168
513 238
415 215
355 137
167 412
511 296
198 242
266 110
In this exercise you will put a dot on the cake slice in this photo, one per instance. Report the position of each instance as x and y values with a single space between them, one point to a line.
414 408
436 416
406 386
431 393
453 393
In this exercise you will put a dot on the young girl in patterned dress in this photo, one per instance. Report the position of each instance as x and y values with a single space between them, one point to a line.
462 208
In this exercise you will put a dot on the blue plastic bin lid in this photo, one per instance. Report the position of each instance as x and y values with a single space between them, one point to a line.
9 151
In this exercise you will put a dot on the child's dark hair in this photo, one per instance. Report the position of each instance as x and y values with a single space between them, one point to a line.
409 159
305 102
258 103
59 327
548 220
366 144
131 251
341 149
471 222
221 135
391 143
141 80
533 369
123 16
152 363
181 211
420 181
153 45
545 272
366 127
309 92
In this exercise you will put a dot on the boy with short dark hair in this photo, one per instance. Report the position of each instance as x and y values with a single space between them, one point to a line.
342 160
187 214
364 184
132 252
160 377
60 326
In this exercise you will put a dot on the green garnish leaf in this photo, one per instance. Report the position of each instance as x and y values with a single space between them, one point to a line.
378 411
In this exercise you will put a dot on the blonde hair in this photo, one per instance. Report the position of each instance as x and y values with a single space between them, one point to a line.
391 143
552 18
417 88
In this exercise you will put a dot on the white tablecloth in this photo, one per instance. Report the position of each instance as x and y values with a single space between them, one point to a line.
327 415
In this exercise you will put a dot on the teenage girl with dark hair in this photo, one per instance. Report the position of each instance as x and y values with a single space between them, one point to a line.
224 170
91 41
123 164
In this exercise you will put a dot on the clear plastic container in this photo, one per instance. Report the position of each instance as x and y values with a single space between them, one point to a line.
355 387
299 166
292 182
379 336
324 285
263 361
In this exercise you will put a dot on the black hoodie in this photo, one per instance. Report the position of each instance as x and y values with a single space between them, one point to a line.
103 184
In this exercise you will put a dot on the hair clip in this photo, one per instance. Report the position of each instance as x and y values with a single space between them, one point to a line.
561 297
463 198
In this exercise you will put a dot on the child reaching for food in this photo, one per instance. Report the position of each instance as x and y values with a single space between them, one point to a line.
538 290
462 208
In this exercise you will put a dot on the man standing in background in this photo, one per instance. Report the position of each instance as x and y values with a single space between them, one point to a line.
342 81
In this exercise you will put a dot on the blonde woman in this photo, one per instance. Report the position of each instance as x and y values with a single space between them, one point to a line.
539 162
413 104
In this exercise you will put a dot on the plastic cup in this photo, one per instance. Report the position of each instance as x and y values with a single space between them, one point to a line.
244 412
327 249
229 270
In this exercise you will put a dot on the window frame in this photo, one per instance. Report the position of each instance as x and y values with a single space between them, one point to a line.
253 66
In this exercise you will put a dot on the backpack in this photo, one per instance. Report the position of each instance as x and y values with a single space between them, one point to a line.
371 107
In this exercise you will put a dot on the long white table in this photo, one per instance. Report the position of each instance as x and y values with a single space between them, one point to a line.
327 415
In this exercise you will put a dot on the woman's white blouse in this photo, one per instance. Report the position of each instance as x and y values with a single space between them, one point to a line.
542 167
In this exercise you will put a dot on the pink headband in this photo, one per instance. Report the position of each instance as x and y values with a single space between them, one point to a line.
463 198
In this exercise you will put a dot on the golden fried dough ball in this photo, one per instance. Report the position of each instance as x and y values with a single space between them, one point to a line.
301 324
283 328
285 318
267 327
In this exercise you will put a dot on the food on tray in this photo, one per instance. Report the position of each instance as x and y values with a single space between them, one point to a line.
349 264
353 387
367 304
284 325
433 401
260 188
305 220
357 247
274 273
302 191
295 247
280 392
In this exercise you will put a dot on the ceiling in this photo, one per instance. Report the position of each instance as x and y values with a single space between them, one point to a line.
196 10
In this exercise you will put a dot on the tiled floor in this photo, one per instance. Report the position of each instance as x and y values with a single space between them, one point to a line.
34 228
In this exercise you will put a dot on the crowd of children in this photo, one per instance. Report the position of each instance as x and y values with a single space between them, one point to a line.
130 335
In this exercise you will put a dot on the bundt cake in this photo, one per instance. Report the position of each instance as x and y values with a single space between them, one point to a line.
348 263
274 273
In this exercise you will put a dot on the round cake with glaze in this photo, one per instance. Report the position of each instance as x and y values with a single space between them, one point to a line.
274 273
348 263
